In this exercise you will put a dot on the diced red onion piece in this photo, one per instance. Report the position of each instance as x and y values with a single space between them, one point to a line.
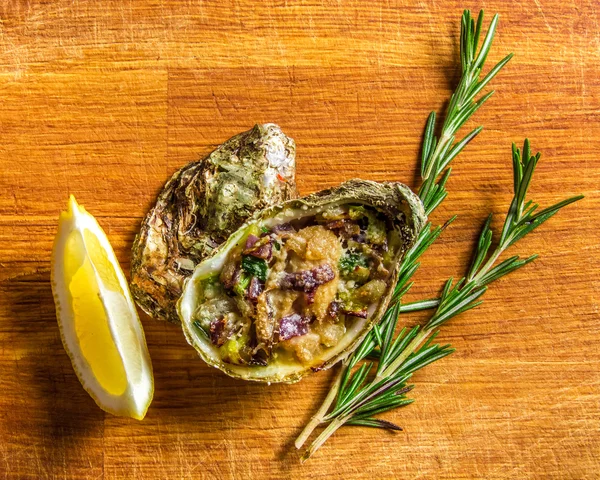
217 332
255 289
333 309
250 241
307 280
293 325
259 248
357 313
264 251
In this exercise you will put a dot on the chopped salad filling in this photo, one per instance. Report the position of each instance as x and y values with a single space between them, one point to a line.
289 292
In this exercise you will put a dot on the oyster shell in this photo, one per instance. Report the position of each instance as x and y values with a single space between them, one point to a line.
296 287
201 205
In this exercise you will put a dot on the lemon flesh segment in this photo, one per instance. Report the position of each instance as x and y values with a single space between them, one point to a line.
99 325
91 322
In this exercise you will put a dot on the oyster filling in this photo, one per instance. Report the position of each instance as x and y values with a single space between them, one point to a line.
288 293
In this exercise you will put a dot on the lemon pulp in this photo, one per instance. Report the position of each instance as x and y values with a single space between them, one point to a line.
90 317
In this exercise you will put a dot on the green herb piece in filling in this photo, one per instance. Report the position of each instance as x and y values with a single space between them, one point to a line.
357 211
230 351
360 274
350 303
256 267
200 329
350 261
242 285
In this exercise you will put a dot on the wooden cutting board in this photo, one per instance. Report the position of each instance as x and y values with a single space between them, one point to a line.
106 100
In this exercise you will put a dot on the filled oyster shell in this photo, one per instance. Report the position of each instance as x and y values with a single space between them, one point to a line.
201 205
297 286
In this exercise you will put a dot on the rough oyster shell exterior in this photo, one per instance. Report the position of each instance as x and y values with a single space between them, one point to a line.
201 205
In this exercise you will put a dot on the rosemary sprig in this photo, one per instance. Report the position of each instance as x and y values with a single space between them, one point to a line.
356 397
463 295
437 153
359 397
435 160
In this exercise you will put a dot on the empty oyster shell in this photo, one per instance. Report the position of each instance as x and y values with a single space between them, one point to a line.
296 287
201 205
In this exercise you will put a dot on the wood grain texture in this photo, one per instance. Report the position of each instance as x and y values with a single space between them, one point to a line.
106 100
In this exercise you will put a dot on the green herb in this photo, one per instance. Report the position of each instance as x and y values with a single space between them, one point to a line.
357 211
242 284
230 350
255 266
360 392
350 302
264 230
350 261
201 329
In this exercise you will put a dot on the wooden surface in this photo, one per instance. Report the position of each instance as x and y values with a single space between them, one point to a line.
106 100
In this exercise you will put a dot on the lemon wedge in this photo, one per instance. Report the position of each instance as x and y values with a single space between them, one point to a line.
99 325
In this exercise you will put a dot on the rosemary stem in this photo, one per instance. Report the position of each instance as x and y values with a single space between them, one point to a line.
317 419
489 264
325 434
412 346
